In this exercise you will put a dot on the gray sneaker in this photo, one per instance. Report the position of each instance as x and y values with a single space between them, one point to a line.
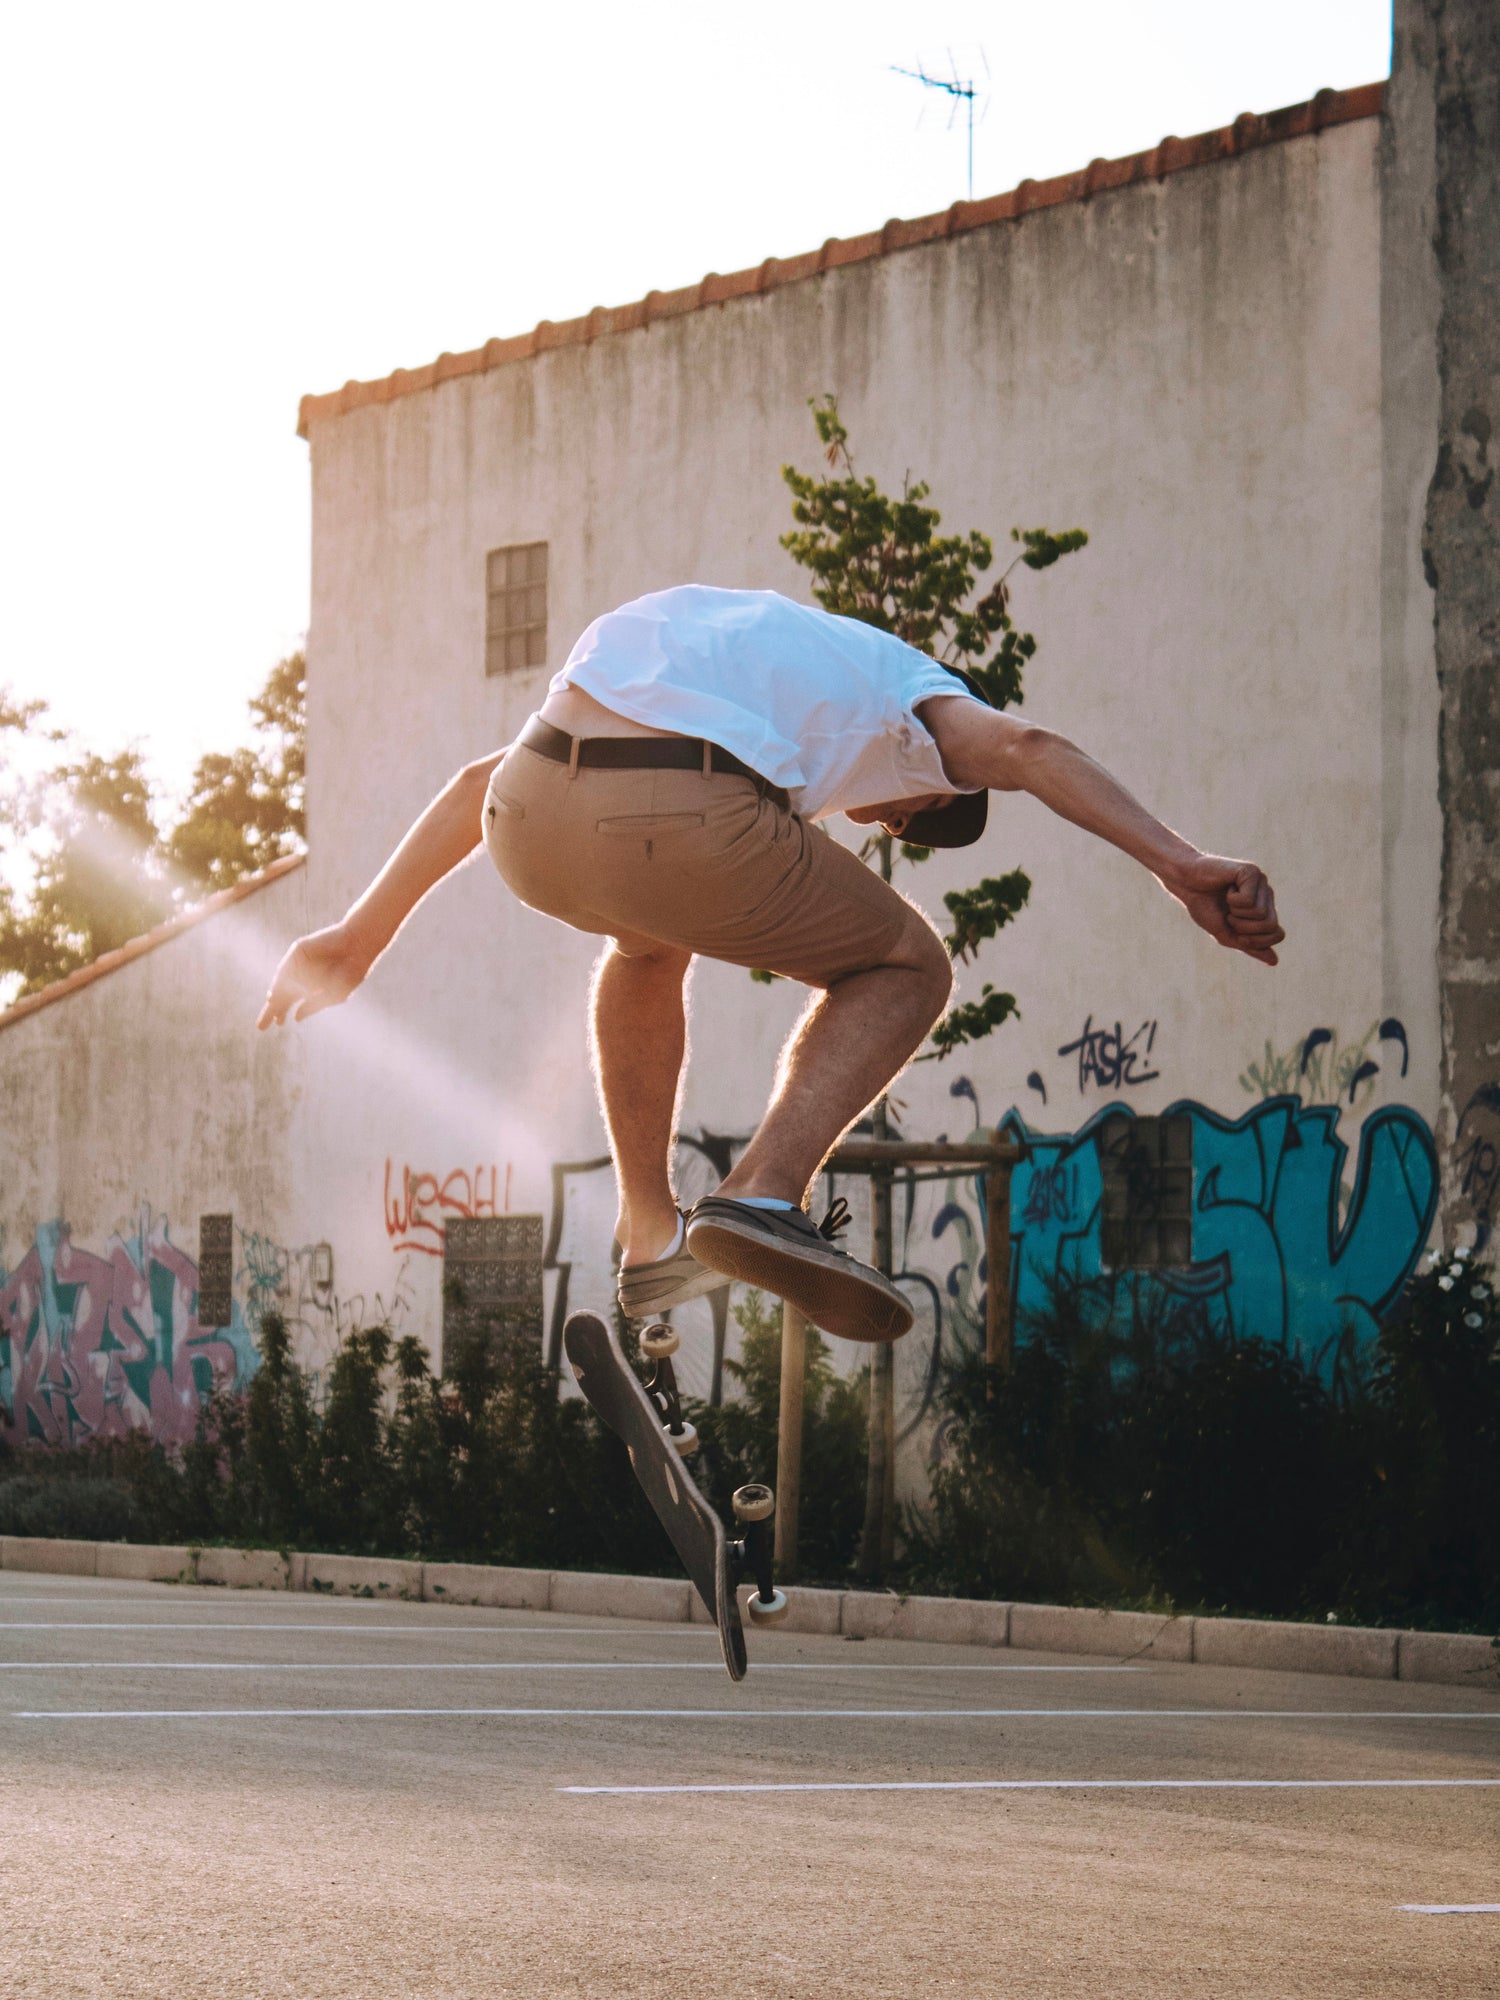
645 1290
782 1251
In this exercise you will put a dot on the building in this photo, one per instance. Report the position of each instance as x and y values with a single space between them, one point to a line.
1240 362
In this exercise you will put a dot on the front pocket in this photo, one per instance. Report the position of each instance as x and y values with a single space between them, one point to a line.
648 826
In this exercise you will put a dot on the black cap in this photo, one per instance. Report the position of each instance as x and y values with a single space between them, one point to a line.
962 820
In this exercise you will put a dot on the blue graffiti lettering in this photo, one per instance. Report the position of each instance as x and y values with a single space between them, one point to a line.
1272 1255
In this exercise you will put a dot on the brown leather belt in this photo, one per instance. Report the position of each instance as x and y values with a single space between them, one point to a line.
641 753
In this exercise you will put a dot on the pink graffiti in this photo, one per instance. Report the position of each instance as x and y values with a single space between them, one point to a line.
76 1323
417 1212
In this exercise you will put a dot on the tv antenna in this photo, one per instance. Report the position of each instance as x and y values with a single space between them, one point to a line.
962 89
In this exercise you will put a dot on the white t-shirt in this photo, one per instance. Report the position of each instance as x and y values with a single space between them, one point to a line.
819 705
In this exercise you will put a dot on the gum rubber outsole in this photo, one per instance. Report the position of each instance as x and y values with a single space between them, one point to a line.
833 1295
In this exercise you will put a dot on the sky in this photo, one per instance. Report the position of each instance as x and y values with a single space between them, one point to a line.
212 209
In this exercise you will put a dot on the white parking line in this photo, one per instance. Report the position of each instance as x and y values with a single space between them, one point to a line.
668 1714
521 1666
846 1714
1451 1909
1058 1785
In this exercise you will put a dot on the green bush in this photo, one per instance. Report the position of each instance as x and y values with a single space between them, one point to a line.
1127 1458
492 1466
1154 1461
80 1508
739 1439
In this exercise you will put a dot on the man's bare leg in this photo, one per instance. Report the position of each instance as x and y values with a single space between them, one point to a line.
853 1040
638 1039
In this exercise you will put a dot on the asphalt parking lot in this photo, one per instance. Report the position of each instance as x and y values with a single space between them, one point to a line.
254 1794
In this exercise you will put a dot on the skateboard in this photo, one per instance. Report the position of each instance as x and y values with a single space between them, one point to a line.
647 1417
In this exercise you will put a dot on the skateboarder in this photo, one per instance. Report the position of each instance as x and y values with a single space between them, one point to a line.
667 797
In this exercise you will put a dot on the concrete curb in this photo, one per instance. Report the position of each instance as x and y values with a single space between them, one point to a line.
1456 1659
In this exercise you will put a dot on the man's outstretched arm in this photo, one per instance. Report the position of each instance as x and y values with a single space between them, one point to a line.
1231 900
326 966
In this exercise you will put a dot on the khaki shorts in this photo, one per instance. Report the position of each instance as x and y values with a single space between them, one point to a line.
706 864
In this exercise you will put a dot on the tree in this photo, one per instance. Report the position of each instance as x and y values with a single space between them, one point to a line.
247 809
97 881
882 561
87 863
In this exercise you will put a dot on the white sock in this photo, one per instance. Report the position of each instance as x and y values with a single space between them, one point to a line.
676 1243
760 1201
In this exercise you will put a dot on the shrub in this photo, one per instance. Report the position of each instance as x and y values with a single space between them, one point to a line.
1150 1458
739 1439
79 1508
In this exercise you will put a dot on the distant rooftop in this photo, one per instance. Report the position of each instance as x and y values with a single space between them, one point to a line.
111 961
1248 132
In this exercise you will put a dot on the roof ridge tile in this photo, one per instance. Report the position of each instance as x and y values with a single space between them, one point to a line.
1170 155
149 941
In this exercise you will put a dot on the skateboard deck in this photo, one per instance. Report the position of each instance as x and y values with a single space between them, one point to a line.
613 1387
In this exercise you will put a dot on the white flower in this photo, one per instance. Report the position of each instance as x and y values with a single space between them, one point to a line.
1434 1257
1462 1255
1473 1319
1479 1291
1455 1270
1445 1284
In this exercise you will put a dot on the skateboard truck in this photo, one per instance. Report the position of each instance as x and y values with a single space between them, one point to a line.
658 1344
753 1507
754 1504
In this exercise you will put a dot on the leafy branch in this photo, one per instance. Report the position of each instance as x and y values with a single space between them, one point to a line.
883 560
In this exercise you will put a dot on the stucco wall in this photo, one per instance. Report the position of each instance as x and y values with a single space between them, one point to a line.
1193 370
132 1107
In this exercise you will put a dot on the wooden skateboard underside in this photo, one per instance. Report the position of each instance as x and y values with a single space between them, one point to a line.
612 1386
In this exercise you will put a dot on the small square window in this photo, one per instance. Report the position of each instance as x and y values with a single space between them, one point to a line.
515 628
1147 1170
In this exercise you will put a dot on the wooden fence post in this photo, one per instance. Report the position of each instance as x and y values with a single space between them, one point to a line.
999 1328
789 1439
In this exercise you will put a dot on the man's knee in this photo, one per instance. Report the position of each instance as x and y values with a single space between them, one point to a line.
922 951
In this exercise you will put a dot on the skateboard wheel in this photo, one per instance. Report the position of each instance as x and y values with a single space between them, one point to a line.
754 1502
686 1440
767 1612
657 1342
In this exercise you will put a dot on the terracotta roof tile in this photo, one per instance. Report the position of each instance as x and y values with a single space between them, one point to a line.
111 961
1248 132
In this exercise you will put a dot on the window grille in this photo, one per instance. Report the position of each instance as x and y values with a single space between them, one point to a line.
215 1270
1147 1170
515 627
492 1284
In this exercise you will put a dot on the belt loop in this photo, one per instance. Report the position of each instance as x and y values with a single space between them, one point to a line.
708 758
575 744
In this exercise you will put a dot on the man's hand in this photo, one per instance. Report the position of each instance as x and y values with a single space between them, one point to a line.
319 971
1232 901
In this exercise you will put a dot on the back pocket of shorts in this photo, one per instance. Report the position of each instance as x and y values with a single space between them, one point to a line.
650 826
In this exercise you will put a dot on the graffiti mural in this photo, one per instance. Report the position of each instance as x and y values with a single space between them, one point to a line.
1322 1069
94 1346
1477 1159
418 1209
297 1282
1279 1253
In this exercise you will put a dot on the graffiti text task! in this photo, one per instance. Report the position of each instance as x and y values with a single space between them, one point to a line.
1111 1058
